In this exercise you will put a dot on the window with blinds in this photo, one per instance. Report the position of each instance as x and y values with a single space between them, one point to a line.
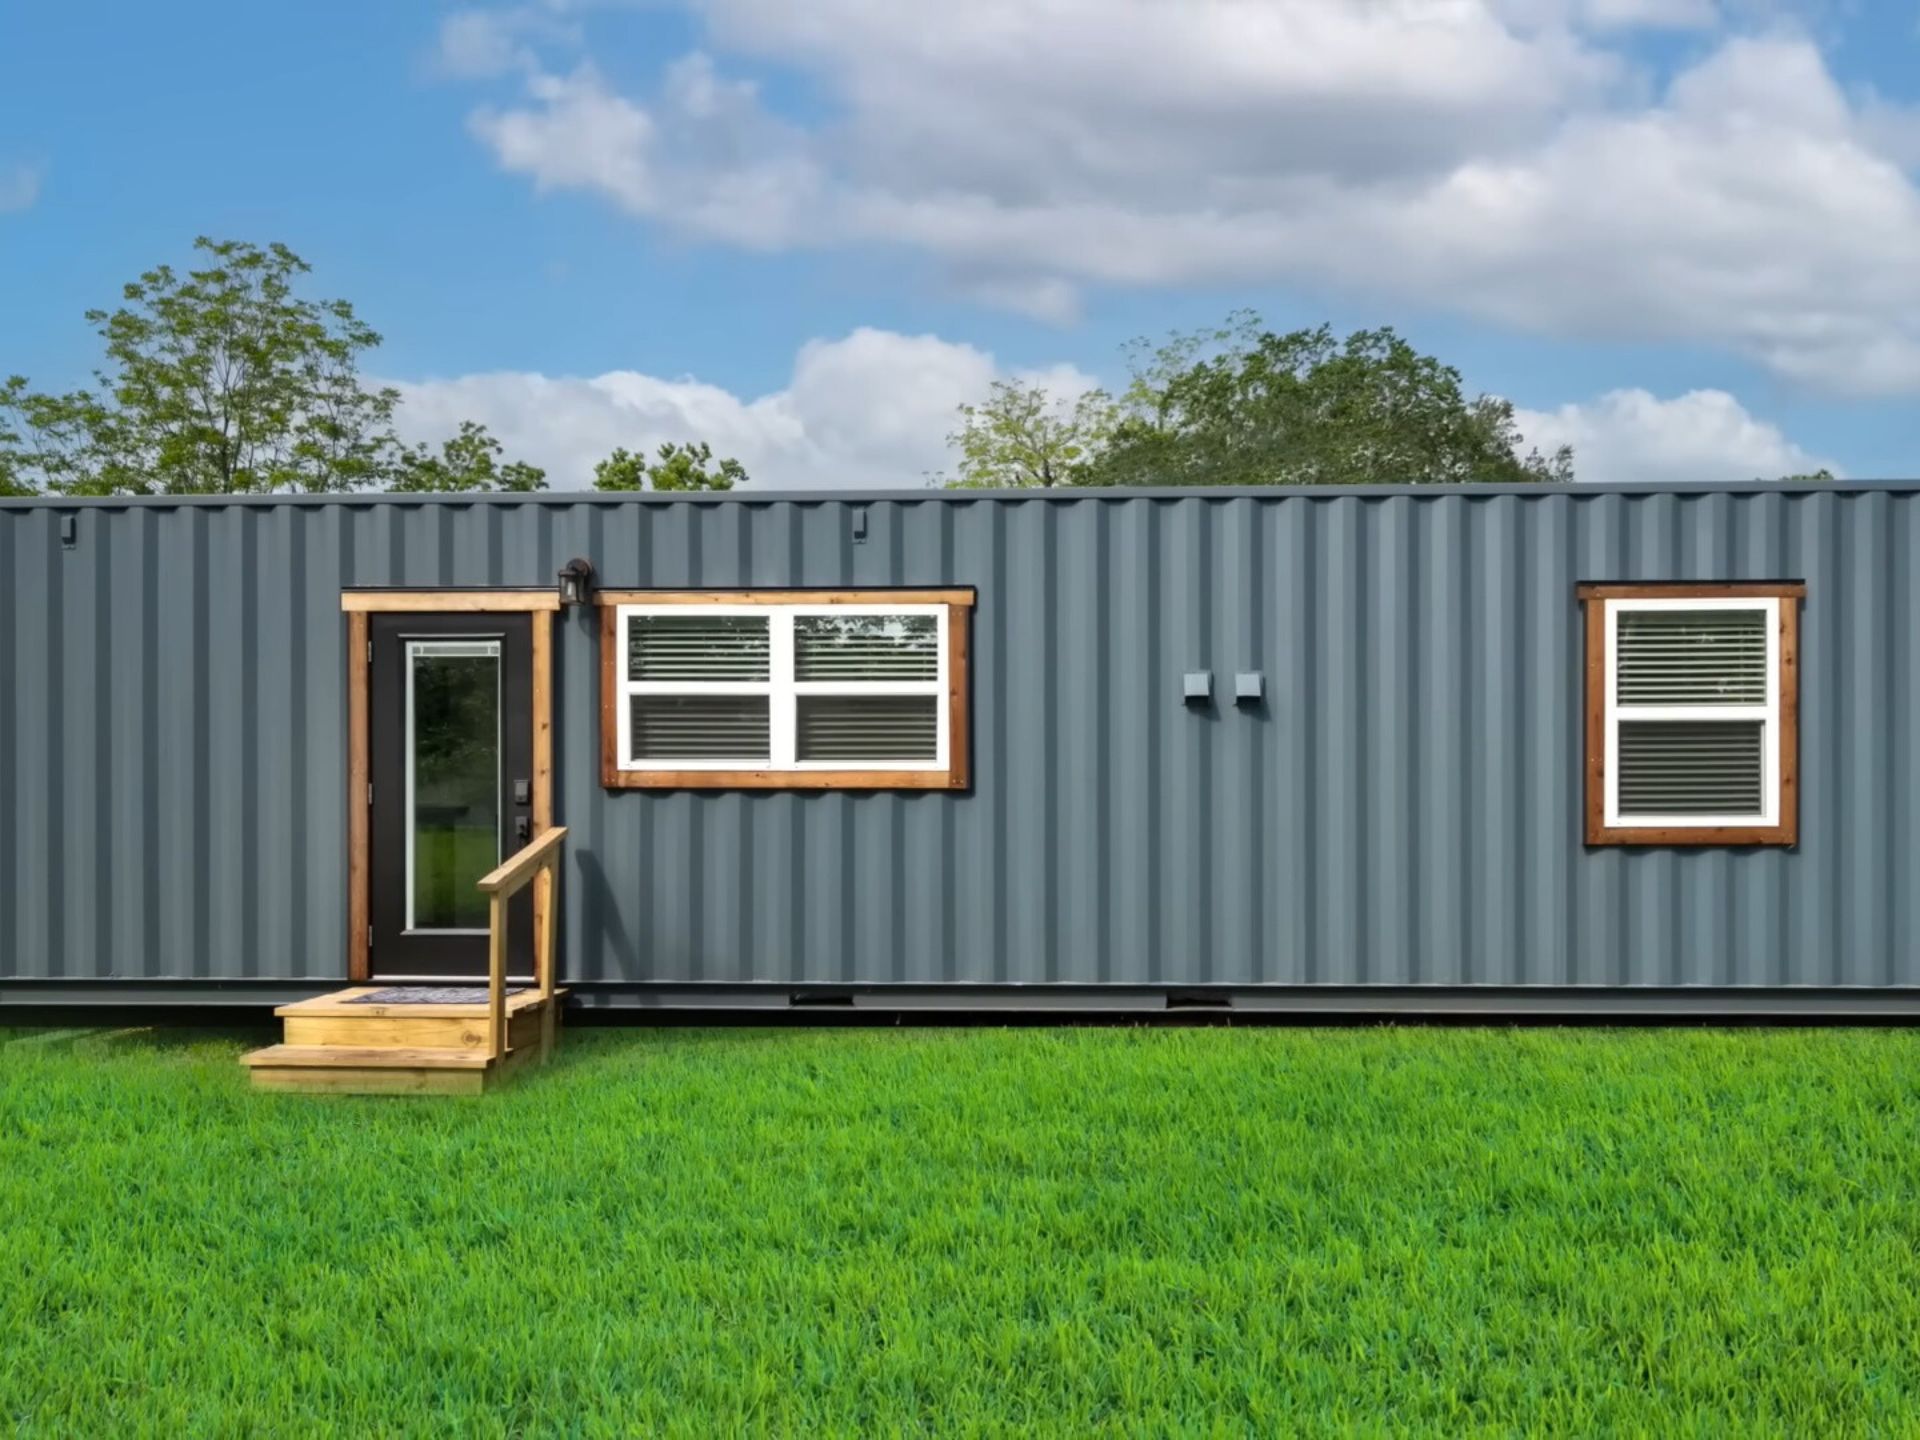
1693 742
783 691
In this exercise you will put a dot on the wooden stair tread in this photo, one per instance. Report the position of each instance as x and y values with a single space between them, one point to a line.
364 1057
341 1005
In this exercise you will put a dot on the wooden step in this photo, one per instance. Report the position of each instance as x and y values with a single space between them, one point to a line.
395 1057
342 1004
409 1032
320 1080
376 1069
335 1045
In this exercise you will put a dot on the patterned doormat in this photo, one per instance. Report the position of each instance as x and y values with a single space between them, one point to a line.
433 995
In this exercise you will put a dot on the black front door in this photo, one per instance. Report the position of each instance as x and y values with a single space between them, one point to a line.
451 731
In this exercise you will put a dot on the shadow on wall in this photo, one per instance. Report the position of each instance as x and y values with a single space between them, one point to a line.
603 903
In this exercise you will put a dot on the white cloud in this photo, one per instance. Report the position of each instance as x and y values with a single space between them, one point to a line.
1504 158
870 409
1702 435
706 157
874 407
19 187
1650 14
475 44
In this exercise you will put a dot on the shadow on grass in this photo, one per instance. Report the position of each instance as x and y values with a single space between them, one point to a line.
178 1037
165 1039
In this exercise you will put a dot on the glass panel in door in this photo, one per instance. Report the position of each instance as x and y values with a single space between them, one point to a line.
453 781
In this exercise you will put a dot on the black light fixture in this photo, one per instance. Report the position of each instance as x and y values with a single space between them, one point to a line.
576 582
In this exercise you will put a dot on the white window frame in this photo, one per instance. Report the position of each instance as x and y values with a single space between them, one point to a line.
1768 714
782 690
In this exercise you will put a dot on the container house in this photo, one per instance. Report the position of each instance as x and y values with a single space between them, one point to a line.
1572 749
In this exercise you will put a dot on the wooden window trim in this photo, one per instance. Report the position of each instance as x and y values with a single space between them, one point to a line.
448 602
957 775
1786 831
358 606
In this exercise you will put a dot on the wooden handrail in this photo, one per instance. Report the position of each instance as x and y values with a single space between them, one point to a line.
513 872
540 857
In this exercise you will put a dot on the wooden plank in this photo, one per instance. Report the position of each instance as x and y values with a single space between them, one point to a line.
1596 720
518 868
524 1031
370 1082
358 803
542 627
959 696
374 1057
1789 723
550 878
949 596
433 1032
452 602
341 1004
1692 590
497 973
548 1021
1678 835
610 771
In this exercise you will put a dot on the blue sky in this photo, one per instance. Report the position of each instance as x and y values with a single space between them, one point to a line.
1683 234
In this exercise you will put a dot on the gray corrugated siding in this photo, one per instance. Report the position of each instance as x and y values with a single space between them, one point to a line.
1405 809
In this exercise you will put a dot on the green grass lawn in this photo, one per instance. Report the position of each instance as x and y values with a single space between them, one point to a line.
1134 1231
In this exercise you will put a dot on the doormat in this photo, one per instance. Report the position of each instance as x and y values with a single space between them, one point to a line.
432 995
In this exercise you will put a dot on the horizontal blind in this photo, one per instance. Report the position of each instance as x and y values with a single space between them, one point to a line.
1697 767
857 728
1692 657
700 727
698 647
866 647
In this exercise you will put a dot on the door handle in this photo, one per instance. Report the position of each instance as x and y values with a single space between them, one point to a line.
522 828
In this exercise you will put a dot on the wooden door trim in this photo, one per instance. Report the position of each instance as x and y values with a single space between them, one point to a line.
359 796
358 605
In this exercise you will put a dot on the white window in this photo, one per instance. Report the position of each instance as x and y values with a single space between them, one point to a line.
747 693
1695 721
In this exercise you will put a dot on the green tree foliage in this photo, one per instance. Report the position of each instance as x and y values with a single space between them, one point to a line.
14 474
1022 437
1245 406
467 461
677 467
219 381
1820 476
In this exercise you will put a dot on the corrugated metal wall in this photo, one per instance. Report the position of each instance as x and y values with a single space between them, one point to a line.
1404 809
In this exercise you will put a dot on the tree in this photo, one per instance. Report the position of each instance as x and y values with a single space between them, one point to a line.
14 473
1822 475
678 467
220 381
1022 437
468 461
1241 405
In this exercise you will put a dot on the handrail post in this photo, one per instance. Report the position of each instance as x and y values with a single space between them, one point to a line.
549 923
497 974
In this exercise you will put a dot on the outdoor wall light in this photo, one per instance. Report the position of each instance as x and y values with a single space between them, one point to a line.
1249 686
576 582
1196 686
